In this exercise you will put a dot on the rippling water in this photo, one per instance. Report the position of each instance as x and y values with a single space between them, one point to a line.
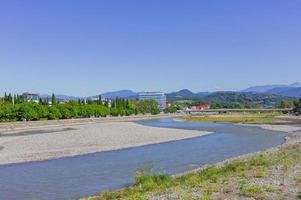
74 177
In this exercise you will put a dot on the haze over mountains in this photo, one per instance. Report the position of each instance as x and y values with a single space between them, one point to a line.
292 90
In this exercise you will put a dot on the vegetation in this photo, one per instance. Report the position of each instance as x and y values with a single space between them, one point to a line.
17 108
233 100
232 180
249 118
147 106
172 109
297 107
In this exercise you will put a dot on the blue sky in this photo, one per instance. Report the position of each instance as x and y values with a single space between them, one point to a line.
79 47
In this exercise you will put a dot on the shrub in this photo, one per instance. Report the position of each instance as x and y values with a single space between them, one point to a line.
250 190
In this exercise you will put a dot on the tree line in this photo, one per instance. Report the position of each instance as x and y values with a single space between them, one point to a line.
17 108
297 107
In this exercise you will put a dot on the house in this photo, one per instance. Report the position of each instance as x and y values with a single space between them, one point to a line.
201 107
31 97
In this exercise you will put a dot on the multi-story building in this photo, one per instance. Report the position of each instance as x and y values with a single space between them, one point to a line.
159 97
31 97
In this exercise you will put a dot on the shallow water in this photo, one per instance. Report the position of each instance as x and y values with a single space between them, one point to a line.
74 177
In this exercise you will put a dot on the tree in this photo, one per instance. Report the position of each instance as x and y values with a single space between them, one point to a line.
148 106
99 100
297 107
287 104
172 109
54 113
5 96
53 99
27 112
10 98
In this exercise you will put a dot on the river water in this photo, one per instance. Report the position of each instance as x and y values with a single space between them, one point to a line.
74 177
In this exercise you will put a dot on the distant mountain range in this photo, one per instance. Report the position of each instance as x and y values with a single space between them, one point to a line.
292 90
185 93
128 94
60 96
265 91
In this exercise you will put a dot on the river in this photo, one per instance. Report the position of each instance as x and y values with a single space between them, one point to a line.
74 177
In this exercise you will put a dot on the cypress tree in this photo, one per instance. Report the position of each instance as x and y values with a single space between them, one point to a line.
99 100
53 99
10 98
5 97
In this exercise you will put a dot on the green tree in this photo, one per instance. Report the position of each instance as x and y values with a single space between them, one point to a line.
53 99
5 97
297 107
10 98
148 106
287 104
54 113
27 112
171 109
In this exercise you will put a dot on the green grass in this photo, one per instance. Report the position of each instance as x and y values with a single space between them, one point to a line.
212 179
250 190
154 182
270 189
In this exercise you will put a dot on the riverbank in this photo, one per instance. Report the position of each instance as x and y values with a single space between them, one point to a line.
273 174
51 142
26 125
274 122
246 118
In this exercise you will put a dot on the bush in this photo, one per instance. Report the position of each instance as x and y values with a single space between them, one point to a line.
148 183
172 109
250 190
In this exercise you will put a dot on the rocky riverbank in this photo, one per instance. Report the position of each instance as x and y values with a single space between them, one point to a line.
56 142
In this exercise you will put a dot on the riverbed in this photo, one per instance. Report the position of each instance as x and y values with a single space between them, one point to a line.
74 177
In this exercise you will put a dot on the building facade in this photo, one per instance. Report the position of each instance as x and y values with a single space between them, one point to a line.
159 97
31 97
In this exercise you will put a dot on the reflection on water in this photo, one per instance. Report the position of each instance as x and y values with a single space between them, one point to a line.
69 178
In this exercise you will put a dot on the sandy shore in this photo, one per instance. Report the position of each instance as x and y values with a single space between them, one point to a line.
56 142
281 128
12 126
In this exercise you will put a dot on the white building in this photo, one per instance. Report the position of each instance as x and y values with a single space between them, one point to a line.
31 97
159 97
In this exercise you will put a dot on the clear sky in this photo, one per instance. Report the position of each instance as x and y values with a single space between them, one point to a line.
79 47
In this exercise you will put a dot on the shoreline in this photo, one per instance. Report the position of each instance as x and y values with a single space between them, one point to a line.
292 139
28 125
84 139
289 124
288 140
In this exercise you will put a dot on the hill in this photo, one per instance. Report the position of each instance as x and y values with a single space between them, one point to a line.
292 90
185 94
128 94
263 99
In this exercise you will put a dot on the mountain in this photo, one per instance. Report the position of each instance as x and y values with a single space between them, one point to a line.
262 88
292 90
128 94
61 97
286 91
185 94
295 85
263 99
203 94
